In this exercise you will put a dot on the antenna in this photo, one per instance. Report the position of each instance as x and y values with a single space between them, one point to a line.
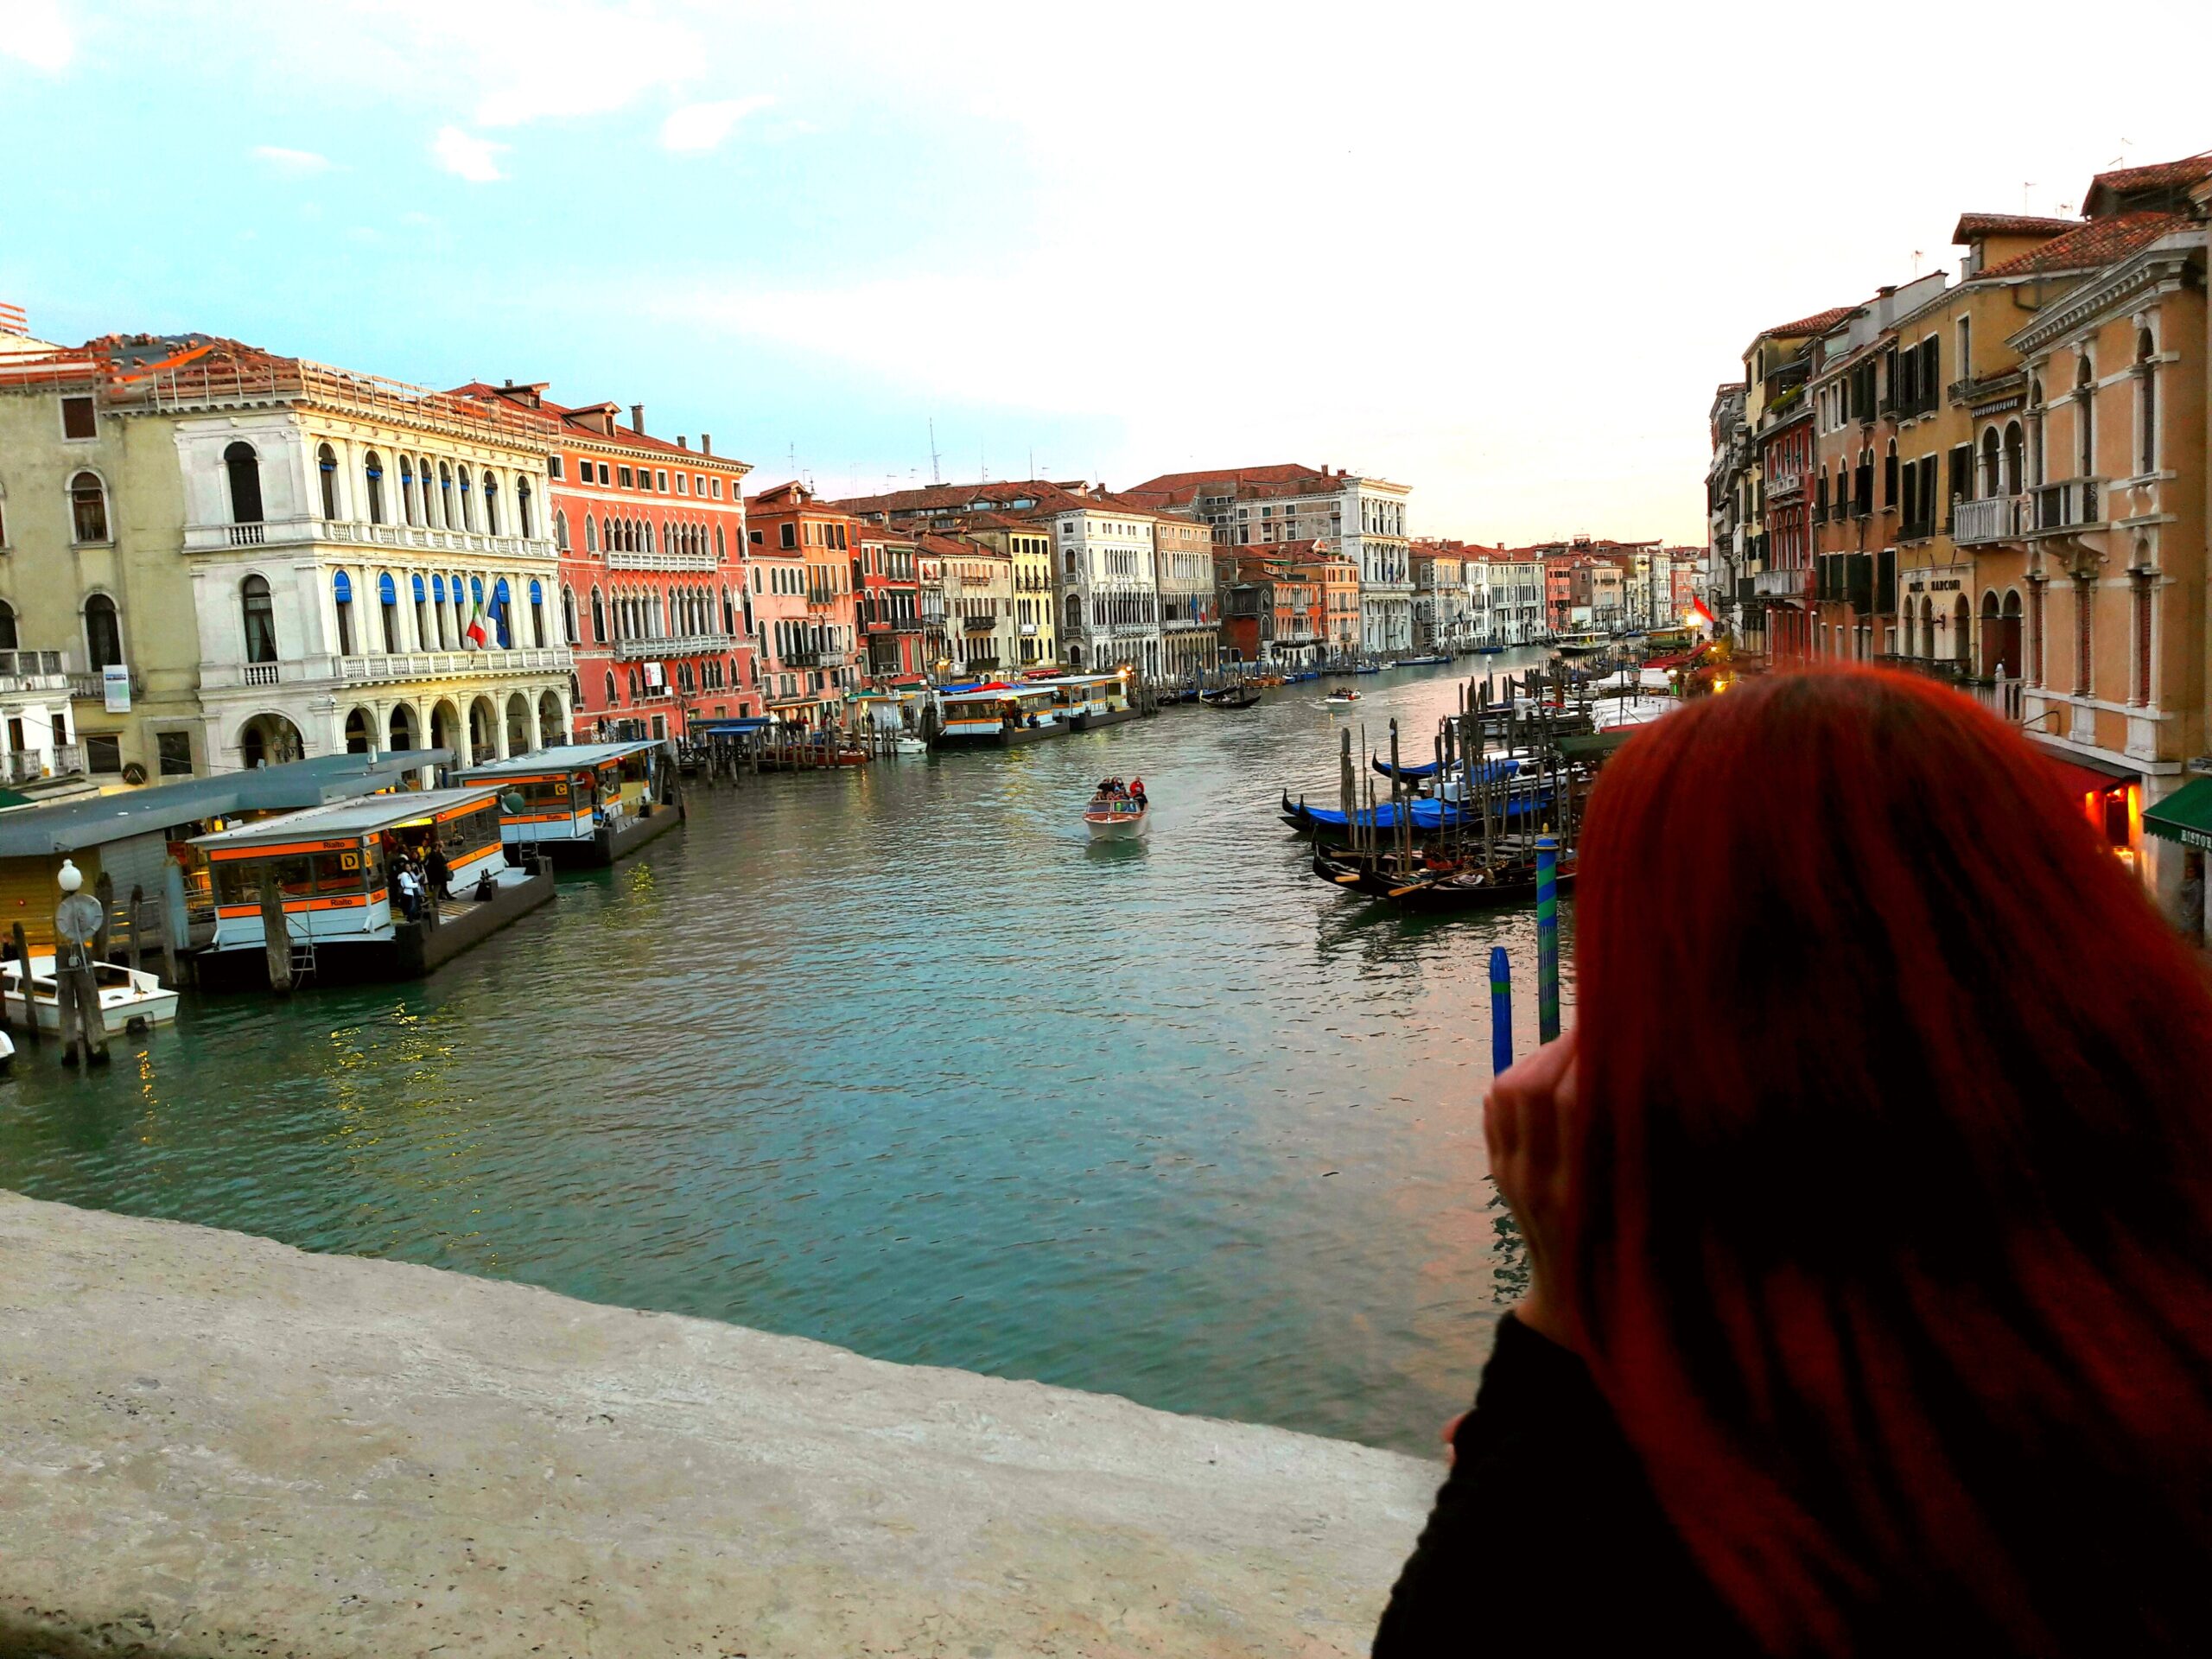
792 455
936 471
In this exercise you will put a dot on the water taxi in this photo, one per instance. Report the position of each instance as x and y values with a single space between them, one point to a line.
581 803
1581 644
331 867
129 996
1343 697
1114 814
1090 701
1000 717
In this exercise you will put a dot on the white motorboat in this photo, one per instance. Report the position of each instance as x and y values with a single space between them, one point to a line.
128 995
1343 699
906 743
1117 817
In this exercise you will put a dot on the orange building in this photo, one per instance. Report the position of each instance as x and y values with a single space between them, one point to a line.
799 553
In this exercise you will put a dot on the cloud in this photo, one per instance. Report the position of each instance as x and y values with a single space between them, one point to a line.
468 156
36 32
297 163
704 127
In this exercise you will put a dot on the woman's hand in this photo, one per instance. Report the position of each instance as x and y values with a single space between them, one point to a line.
1527 1117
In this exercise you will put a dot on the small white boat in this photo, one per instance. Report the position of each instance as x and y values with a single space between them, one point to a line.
1340 699
906 743
127 995
1117 817
7 1052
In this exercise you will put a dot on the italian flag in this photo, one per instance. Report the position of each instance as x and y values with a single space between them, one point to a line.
476 633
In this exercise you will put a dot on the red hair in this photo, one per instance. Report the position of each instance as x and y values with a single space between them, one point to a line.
1890 1223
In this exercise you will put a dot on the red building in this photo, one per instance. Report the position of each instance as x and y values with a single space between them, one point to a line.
1786 467
651 539
888 605
799 551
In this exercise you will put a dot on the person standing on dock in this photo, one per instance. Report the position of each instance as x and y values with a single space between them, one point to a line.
1868 1214
439 872
411 890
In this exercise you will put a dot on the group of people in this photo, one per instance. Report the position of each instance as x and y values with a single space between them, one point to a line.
1113 789
414 879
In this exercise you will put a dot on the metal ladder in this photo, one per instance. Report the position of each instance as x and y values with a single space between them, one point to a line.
303 958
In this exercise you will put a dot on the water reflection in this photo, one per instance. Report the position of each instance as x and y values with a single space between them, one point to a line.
903 1061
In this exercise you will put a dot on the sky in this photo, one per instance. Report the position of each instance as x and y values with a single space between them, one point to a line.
1500 255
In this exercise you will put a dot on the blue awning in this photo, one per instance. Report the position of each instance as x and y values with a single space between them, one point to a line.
387 591
438 588
341 586
735 728
418 588
500 591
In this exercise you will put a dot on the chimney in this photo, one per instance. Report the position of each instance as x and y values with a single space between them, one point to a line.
682 443
510 382
637 419
706 443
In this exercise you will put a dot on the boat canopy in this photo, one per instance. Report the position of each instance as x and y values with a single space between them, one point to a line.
734 728
1432 815
347 821
561 757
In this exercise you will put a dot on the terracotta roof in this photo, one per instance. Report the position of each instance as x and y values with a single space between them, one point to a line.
1286 472
2106 188
952 497
1819 323
2088 247
568 416
1971 227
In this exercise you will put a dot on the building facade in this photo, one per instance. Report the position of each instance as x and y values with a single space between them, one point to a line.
888 606
257 558
799 551
650 537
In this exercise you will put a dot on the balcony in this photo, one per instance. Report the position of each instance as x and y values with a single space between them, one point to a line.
1782 584
2072 505
34 671
28 765
1994 518
302 532
658 561
979 624
379 668
92 688
693 645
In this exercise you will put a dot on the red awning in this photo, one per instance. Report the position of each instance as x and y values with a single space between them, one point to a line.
2085 780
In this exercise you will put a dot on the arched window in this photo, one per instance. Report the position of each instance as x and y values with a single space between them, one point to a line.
438 608
568 614
2147 410
729 621
522 508
388 606
1890 475
245 469
721 552
537 613
2014 471
503 614
7 626
326 462
475 590
103 633
88 507
598 620
422 633
260 617
341 593
467 505
492 504
2143 583
1992 464
410 504
2085 417
372 469
560 531
446 519
613 698
591 535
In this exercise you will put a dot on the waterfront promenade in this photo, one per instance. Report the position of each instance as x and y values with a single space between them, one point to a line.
217 1446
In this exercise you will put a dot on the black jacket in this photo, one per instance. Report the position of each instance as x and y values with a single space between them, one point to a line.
1546 1538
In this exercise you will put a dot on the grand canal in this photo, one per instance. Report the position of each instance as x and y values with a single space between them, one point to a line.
898 1060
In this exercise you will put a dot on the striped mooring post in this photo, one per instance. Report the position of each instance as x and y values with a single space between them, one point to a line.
1547 937
1501 1010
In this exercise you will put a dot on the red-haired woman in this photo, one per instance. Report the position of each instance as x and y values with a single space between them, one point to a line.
1869 1217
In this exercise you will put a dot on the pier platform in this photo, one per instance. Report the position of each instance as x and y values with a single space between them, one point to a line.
606 847
219 1447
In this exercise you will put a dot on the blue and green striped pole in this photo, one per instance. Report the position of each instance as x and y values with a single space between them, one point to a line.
1501 1010
1547 937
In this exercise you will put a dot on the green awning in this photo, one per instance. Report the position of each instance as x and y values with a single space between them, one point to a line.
2185 815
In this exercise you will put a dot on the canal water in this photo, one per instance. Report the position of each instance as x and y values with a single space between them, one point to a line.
896 1059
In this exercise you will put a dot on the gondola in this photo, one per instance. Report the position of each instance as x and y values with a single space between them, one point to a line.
1240 696
1472 890
1328 827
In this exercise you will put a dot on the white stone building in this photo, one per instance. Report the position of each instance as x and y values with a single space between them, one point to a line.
1508 599
1105 555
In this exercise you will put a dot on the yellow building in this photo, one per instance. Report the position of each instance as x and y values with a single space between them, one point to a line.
1029 548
